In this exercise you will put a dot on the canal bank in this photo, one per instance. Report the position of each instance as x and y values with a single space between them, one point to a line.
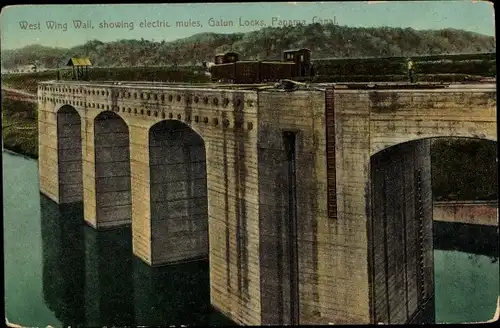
467 212
20 127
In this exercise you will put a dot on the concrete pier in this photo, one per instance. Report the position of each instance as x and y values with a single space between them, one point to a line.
402 270
281 190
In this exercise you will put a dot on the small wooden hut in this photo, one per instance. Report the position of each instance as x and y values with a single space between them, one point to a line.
80 67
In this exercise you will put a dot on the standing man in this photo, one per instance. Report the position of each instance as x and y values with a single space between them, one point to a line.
411 70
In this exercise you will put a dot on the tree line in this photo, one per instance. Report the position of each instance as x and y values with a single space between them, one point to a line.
325 41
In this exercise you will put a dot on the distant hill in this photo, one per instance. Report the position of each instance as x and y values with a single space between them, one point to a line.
325 41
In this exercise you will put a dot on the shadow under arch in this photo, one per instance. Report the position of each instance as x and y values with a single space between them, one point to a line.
112 168
381 146
400 233
69 152
178 193
450 183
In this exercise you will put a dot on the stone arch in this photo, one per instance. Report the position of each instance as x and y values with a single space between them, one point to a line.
400 231
69 153
112 169
381 146
385 143
178 193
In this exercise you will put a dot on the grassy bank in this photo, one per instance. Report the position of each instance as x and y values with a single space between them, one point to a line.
20 127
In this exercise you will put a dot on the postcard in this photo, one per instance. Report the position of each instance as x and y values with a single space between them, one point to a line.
281 163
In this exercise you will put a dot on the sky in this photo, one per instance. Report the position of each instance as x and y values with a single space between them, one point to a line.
475 16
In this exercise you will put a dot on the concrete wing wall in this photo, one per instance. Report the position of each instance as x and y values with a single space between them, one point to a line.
351 292
398 116
368 121
227 122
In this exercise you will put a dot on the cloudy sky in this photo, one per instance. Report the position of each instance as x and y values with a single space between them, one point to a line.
23 25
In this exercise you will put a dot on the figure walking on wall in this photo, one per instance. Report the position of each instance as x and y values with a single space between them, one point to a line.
411 71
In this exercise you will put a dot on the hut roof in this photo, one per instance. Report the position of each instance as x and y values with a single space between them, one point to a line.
79 61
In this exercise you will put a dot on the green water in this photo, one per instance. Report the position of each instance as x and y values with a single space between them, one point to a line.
466 286
59 271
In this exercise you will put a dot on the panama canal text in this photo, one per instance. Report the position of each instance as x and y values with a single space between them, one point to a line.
212 22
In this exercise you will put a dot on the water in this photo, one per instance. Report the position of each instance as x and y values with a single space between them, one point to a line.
466 286
59 271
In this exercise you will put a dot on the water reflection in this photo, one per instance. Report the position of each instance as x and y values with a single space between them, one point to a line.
76 290
63 262
91 278
109 293
188 295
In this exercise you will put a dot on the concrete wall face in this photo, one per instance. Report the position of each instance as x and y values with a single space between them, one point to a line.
349 288
69 151
401 232
398 116
232 169
367 122
288 216
295 257
140 180
112 171
47 151
89 172
179 209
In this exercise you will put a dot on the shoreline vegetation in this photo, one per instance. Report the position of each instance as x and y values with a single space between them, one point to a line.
20 127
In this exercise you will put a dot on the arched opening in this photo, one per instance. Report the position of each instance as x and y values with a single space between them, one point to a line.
178 186
69 151
404 263
112 167
465 229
